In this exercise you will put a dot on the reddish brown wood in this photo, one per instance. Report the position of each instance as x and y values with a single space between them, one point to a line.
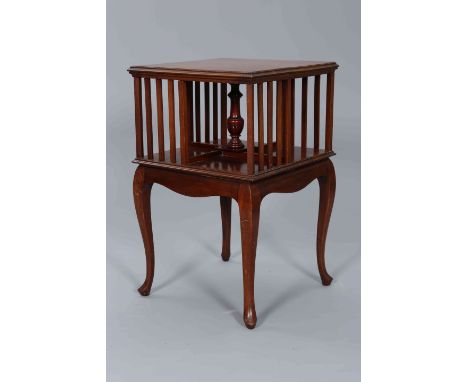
235 123
159 99
149 119
288 121
327 197
190 125
249 211
232 70
224 114
138 117
172 136
248 196
226 204
142 199
329 113
261 139
279 122
283 122
209 169
317 113
250 129
197 113
207 111
183 122
215 113
270 123
304 118
293 116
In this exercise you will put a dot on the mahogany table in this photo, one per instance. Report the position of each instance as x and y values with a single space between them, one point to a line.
202 160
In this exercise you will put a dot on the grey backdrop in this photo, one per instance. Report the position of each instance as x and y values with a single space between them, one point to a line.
190 328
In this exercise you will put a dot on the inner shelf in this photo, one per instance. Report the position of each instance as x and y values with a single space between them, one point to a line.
212 160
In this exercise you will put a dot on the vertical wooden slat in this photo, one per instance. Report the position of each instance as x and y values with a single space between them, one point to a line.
288 122
149 119
250 129
190 111
223 96
207 111
159 99
197 112
293 115
172 137
183 122
270 123
138 117
283 122
317 112
304 118
279 122
329 115
215 112
261 139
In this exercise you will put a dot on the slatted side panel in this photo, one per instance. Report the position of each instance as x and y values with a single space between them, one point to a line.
152 103
270 119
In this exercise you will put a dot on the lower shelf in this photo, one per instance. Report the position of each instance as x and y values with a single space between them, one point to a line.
213 161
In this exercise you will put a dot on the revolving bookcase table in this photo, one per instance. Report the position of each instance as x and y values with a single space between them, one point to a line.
202 160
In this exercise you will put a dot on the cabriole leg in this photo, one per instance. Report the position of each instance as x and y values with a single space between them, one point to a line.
327 196
226 204
249 209
141 196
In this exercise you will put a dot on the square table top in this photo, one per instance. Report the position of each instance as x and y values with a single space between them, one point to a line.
234 70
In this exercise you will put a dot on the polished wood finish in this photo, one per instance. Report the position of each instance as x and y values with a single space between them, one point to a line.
226 204
190 126
215 113
245 171
317 112
149 119
329 112
304 117
159 98
279 122
293 115
184 153
138 118
250 129
235 123
223 114
142 199
206 94
261 139
235 70
197 113
172 134
288 131
270 123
